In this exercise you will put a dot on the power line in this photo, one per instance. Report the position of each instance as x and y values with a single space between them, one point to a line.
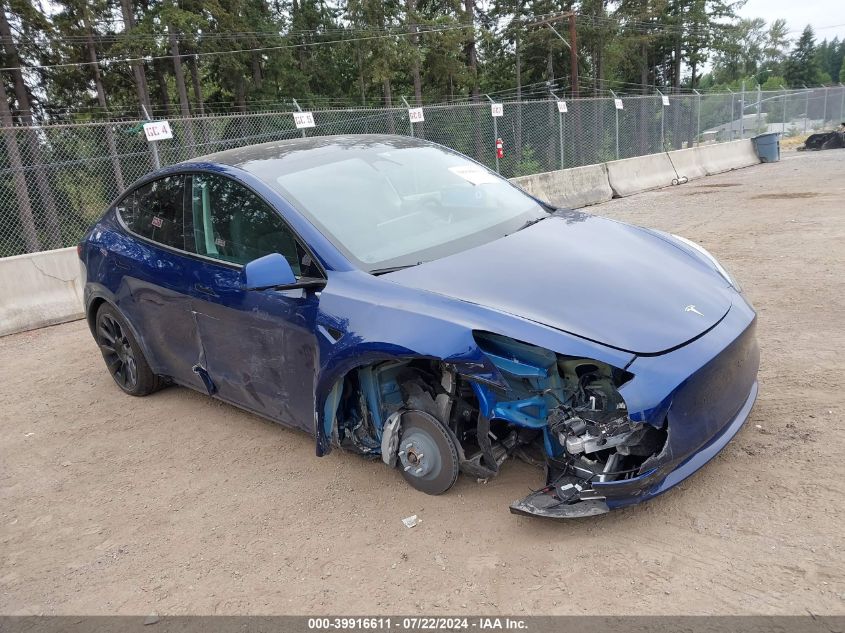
149 58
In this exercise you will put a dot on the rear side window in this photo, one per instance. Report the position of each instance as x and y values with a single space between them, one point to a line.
155 211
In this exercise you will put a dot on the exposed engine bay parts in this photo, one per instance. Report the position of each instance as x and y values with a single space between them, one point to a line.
562 414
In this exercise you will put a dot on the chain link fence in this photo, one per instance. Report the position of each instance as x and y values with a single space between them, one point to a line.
56 180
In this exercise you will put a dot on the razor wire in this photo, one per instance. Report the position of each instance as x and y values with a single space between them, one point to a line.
56 180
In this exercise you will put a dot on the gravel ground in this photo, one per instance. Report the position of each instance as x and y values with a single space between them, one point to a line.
177 504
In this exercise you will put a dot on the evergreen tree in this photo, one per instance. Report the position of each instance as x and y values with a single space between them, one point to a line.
801 66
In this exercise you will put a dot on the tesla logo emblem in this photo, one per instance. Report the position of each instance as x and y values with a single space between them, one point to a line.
692 309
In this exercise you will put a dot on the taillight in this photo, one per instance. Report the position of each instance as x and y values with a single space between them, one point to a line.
79 251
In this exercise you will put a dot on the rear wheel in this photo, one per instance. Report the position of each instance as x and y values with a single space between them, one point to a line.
124 358
427 454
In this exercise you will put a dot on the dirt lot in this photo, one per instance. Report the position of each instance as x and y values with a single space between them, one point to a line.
179 504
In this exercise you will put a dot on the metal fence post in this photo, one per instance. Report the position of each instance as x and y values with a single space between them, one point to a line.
495 132
842 104
806 107
783 125
759 109
697 117
616 112
742 113
300 110
733 114
153 144
410 123
562 146
662 125
559 127
824 111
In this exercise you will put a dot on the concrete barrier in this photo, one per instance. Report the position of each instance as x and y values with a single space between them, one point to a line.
39 289
726 156
688 163
573 188
641 173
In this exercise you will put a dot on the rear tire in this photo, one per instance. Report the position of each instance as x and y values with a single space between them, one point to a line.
427 453
123 356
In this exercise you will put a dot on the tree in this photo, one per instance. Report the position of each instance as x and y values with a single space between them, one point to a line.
801 66
31 21
24 204
134 50
776 46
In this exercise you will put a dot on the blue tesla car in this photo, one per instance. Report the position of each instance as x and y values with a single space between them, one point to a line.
394 298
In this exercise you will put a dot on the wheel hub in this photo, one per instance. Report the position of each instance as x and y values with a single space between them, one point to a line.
419 455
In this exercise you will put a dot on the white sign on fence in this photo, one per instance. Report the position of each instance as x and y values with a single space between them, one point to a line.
158 130
665 99
618 104
497 109
561 107
416 115
303 119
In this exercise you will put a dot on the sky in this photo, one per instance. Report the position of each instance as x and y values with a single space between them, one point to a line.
827 17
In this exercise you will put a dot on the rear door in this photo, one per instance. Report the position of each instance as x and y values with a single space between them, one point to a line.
155 276
259 347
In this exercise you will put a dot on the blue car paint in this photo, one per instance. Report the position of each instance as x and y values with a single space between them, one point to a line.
284 354
583 274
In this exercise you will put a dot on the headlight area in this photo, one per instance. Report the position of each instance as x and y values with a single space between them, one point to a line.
581 429
707 255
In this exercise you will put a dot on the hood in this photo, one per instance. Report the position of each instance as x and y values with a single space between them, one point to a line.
596 278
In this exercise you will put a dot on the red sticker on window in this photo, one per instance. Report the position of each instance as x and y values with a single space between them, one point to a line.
157 222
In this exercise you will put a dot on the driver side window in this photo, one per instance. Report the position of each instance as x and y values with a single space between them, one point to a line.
227 221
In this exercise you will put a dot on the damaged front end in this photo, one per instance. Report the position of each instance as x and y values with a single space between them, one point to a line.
560 413
587 435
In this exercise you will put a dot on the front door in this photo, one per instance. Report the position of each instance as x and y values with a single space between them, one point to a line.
259 347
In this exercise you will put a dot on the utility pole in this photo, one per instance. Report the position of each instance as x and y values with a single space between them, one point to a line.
571 44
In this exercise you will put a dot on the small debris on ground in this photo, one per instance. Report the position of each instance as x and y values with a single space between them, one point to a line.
411 521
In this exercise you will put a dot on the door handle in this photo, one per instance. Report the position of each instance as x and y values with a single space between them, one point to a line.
205 290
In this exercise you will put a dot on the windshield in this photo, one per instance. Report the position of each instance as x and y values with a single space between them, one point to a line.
387 206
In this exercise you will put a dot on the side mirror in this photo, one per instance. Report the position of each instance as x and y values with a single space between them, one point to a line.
270 271
273 272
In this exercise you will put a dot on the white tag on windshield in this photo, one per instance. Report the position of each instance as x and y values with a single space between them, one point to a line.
473 174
